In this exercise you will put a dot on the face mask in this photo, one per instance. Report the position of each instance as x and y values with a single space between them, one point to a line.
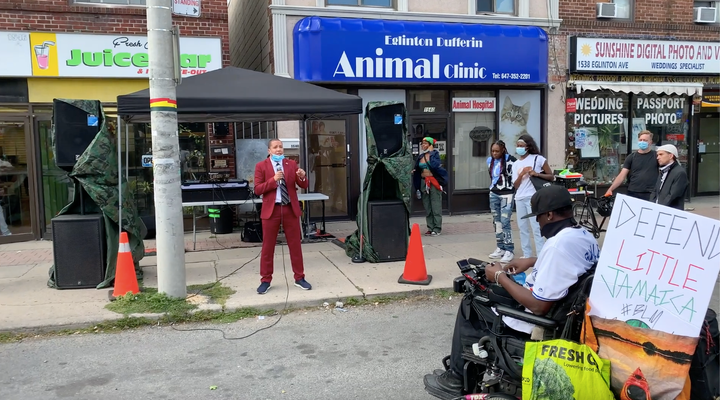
277 158
643 145
521 151
551 229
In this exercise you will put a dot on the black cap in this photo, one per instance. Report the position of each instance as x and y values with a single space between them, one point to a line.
549 198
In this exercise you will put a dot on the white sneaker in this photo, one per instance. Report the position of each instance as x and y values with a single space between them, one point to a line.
497 253
507 257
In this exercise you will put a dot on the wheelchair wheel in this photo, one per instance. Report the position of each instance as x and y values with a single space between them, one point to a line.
492 396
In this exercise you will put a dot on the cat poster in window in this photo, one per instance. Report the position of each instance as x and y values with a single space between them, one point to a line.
519 115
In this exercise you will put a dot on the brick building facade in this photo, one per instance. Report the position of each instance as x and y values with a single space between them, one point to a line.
91 50
274 36
691 79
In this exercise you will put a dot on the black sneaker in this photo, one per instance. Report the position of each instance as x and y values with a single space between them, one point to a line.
303 284
450 381
263 288
436 385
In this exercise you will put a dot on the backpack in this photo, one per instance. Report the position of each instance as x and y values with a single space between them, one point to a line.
705 366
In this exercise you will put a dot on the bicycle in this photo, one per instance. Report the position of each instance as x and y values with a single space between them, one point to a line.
584 213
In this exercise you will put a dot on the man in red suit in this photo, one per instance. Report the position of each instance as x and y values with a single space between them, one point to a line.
275 180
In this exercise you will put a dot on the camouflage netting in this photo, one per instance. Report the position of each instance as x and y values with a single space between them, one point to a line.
97 172
386 178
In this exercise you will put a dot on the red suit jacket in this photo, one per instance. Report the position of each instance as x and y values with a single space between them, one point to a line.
266 186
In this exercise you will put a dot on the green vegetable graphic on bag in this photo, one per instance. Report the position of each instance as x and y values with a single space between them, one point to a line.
550 382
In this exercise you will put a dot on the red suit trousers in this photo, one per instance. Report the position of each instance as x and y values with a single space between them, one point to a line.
282 215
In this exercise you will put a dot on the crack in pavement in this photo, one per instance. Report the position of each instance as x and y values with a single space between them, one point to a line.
343 274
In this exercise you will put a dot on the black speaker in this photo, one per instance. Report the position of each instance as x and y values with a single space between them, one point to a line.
388 229
79 250
387 129
74 130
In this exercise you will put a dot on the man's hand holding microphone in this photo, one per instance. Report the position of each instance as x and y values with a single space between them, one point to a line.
280 175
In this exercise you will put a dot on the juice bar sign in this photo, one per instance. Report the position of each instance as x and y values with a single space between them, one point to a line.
93 56
644 56
357 50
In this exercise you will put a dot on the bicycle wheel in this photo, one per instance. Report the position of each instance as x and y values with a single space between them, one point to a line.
578 210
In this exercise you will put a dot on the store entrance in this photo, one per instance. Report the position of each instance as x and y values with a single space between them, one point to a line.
16 205
436 128
327 166
708 154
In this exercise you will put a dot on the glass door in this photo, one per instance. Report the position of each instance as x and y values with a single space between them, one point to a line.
56 186
708 154
436 128
327 166
16 215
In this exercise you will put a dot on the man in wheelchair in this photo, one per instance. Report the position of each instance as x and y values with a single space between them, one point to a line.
483 324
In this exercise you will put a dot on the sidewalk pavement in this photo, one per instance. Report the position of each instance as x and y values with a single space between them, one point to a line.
26 302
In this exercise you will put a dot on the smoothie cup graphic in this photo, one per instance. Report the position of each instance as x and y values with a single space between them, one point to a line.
42 54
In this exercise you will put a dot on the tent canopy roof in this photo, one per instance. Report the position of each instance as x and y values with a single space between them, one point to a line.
234 94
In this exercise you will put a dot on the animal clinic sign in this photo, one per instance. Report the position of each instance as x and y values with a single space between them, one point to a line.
657 267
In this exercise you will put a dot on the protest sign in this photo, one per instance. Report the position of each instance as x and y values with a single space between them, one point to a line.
658 267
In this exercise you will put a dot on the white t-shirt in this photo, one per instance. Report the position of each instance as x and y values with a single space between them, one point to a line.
564 258
526 189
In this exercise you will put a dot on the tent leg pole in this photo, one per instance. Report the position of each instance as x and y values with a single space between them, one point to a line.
127 152
118 136
306 216
359 258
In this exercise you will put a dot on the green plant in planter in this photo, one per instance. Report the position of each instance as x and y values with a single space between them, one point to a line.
145 187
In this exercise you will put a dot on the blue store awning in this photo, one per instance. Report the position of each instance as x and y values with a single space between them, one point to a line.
363 50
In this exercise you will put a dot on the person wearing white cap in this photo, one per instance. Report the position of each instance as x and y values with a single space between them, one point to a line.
672 182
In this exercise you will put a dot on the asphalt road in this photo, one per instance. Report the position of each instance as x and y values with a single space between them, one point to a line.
370 352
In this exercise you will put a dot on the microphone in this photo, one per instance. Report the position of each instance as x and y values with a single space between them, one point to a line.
278 167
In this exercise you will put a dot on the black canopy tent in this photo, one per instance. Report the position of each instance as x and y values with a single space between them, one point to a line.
234 94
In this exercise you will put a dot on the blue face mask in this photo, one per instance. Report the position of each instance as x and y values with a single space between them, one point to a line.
277 158
520 151
643 145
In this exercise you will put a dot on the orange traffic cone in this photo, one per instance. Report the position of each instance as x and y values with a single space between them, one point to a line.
125 278
415 272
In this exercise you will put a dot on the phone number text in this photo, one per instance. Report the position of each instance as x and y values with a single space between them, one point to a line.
498 75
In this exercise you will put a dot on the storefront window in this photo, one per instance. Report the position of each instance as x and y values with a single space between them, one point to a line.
666 116
57 187
597 134
193 164
603 130
474 134
428 101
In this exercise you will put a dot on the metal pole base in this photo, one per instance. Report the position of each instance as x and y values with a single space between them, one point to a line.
358 259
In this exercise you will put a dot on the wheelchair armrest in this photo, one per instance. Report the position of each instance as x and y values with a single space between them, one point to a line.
526 316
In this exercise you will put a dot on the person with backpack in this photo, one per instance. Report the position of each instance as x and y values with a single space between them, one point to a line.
430 180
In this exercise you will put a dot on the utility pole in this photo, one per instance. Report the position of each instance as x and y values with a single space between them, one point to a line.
166 153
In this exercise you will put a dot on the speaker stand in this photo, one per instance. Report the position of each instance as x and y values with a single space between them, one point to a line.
359 259
82 194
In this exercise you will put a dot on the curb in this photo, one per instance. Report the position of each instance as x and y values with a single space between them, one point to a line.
278 307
